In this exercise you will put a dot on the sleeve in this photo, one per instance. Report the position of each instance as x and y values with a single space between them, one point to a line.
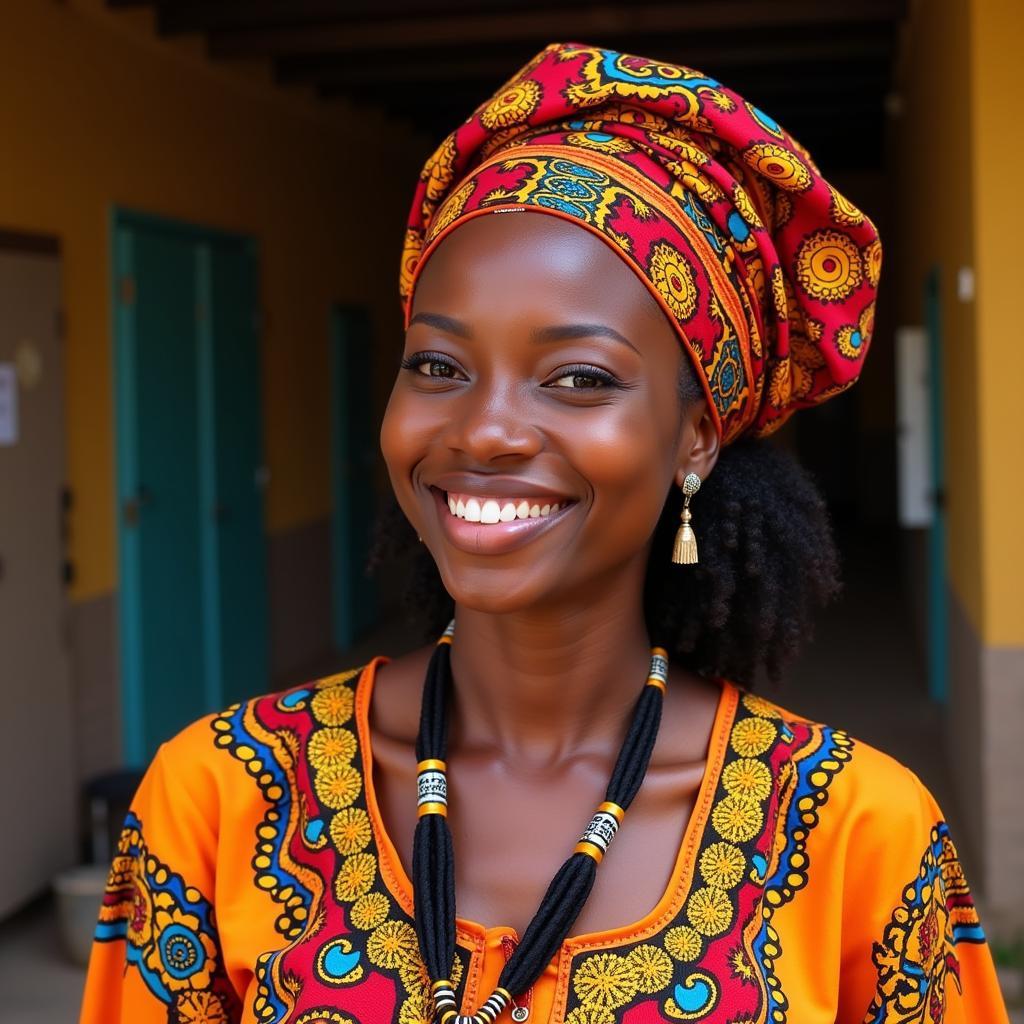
157 954
913 948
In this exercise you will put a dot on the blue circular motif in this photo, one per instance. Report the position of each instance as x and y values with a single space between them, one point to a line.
738 226
697 995
615 68
769 124
856 340
728 378
570 188
181 952
337 961
314 829
760 867
599 136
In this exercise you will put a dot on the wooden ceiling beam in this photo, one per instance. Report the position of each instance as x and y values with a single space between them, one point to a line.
839 137
177 16
771 90
847 49
467 30
820 66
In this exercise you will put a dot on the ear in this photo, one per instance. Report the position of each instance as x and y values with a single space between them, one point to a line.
699 444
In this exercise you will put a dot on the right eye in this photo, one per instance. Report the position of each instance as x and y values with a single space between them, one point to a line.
431 364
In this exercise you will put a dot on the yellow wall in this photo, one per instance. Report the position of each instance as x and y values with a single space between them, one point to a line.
997 40
95 113
957 156
932 175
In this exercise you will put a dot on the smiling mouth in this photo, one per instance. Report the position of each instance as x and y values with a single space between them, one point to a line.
482 524
491 511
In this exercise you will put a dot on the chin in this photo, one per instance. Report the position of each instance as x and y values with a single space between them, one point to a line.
495 591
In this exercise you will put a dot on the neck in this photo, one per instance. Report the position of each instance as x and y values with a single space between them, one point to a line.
541 685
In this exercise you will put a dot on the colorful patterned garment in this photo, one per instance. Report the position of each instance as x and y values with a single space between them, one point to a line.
768 273
816 882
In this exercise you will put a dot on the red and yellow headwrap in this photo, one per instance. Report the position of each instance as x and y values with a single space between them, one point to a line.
767 272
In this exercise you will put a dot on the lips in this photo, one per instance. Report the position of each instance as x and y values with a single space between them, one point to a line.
490 523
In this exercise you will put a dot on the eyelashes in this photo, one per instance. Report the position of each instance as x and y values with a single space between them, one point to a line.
587 372
418 359
450 370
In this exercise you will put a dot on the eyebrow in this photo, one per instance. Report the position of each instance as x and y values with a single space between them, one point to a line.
442 323
542 335
567 332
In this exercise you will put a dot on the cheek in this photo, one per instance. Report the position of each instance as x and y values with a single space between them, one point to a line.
627 457
404 433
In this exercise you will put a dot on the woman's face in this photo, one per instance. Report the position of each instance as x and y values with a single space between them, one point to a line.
539 397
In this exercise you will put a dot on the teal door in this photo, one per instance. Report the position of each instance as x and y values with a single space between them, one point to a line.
938 570
237 563
353 459
193 605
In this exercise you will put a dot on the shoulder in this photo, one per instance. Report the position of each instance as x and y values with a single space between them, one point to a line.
249 748
851 824
861 784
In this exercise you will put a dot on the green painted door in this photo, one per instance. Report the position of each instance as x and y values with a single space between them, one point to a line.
938 568
234 495
192 549
353 457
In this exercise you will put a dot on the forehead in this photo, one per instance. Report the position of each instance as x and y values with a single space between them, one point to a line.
534 266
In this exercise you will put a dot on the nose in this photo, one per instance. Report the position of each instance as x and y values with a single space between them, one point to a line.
494 419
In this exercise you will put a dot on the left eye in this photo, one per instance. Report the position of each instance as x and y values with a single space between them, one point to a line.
581 377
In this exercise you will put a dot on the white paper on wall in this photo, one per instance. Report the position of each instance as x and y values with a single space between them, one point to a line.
8 404
914 427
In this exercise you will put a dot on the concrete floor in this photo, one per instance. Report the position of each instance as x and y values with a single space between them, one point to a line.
861 674
38 983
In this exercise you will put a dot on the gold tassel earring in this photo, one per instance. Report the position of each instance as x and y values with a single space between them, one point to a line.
684 551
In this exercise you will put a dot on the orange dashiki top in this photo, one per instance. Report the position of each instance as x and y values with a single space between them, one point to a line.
816 882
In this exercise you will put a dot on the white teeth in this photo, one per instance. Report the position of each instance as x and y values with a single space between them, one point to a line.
490 510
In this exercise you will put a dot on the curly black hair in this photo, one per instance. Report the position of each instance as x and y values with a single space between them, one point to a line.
768 561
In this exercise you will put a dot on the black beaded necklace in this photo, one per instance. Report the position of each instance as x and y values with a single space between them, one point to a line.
433 862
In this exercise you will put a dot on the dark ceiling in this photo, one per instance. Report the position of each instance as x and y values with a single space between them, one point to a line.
820 67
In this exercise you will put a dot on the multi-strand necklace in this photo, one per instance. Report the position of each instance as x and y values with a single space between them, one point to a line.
434 863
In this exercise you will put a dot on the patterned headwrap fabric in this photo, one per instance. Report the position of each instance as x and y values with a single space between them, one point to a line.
767 272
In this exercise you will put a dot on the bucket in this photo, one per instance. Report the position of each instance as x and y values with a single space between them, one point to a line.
77 895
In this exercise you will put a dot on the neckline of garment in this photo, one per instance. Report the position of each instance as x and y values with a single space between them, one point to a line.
474 933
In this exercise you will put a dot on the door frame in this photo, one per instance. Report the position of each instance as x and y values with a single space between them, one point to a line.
129 586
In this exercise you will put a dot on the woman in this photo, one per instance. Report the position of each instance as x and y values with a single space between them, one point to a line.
570 439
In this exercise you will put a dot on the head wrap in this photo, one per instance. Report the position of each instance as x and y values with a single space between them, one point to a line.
766 271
